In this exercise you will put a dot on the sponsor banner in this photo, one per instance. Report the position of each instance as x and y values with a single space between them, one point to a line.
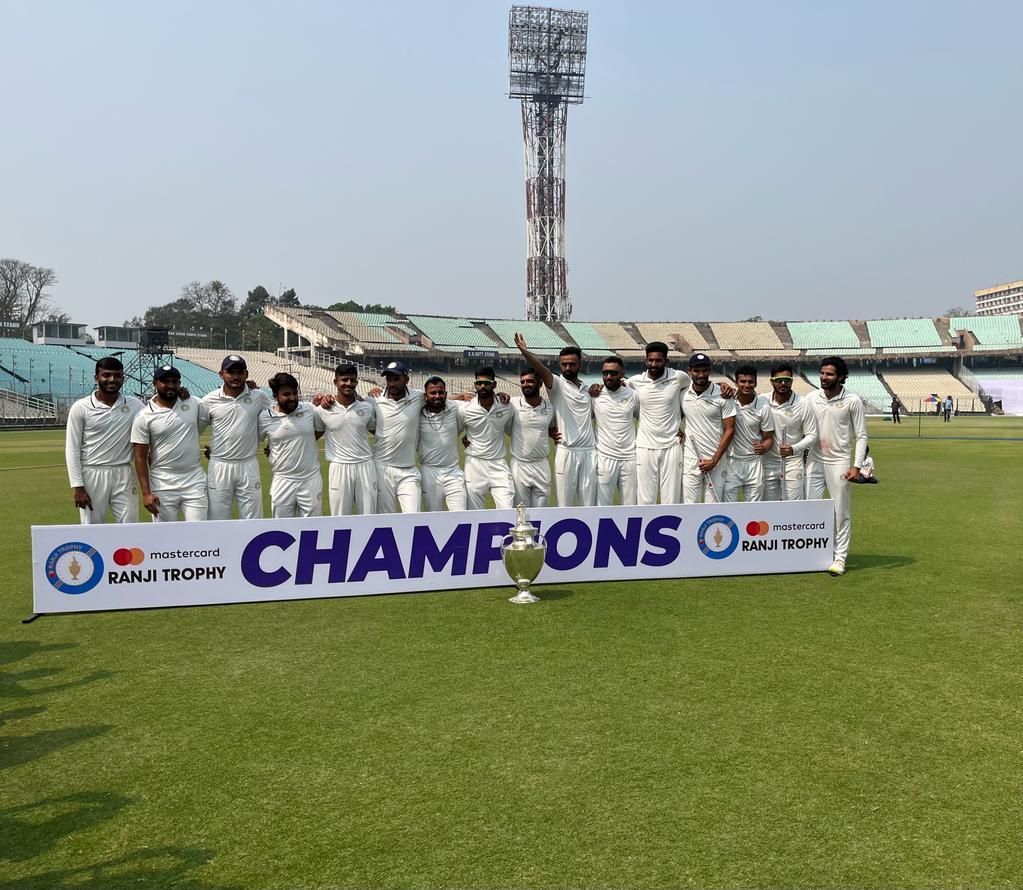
83 568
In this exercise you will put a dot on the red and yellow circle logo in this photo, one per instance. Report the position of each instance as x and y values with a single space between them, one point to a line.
753 529
128 556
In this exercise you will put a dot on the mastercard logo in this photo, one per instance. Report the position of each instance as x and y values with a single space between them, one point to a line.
753 529
126 556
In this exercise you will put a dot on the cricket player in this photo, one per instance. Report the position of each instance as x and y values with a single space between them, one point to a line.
165 437
98 449
658 449
397 437
575 460
347 422
291 429
486 420
709 428
232 413
842 428
615 411
440 426
754 436
795 430
532 428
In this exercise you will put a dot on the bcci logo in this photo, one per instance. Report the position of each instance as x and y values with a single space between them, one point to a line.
718 537
74 568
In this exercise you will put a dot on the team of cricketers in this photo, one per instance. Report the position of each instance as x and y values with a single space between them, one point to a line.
663 435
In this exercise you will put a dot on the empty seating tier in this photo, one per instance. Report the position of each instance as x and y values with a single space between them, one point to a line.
452 334
866 385
587 338
829 336
904 334
746 335
992 331
619 339
539 337
671 332
911 386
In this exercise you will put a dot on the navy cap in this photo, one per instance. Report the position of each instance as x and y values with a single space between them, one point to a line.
396 368
232 361
699 358
166 371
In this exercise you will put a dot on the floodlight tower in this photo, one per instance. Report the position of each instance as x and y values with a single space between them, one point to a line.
547 67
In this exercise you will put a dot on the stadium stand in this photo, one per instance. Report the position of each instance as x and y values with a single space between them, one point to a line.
671 332
539 337
843 352
618 339
826 336
374 331
452 334
52 372
262 366
587 338
752 337
876 399
992 332
913 385
906 336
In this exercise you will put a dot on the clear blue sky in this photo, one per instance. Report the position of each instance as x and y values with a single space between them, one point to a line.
792 160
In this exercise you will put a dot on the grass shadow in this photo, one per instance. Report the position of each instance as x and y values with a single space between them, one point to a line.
16 750
32 829
880 561
12 682
19 714
157 867
16 650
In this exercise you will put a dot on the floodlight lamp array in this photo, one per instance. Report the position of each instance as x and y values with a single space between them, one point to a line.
547 54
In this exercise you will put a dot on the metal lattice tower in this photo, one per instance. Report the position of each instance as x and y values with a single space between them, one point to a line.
547 69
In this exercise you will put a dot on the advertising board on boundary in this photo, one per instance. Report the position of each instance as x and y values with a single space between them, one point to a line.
148 565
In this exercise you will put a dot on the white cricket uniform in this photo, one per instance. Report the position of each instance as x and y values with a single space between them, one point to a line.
351 473
233 473
296 487
745 470
486 467
658 450
841 422
175 475
704 414
794 425
397 436
530 451
98 452
575 459
443 479
615 415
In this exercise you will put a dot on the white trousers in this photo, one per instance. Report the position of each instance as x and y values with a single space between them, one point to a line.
659 472
185 499
575 476
532 480
228 481
746 475
398 486
482 476
614 475
821 476
443 486
296 497
702 488
110 488
352 488
791 487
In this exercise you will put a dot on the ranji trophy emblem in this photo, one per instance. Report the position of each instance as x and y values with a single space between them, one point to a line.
523 551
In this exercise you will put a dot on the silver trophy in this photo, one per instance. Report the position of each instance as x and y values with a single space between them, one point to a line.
523 551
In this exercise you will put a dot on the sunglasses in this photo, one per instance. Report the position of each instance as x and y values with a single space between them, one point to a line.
611 373
485 382
781 380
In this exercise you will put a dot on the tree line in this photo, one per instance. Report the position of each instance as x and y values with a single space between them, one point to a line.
24 299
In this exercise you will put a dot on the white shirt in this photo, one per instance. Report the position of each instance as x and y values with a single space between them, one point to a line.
347 430
98 435
438 437
704 413
172 435
485 429
615 413
530 425
234 422
292 440
839 421
794 425
660 407
397 432
573 409
750 422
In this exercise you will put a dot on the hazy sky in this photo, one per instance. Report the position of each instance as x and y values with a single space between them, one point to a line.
789 159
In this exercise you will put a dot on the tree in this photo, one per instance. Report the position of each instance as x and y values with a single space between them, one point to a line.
958 310
23 296
352 306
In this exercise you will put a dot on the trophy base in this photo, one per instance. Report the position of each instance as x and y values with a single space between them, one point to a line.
523 596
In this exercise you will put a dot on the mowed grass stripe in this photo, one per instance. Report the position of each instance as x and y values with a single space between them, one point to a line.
786 730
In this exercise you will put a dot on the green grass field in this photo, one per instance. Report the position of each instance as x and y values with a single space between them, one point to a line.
781 731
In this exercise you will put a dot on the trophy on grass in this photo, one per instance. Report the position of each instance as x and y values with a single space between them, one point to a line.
523 552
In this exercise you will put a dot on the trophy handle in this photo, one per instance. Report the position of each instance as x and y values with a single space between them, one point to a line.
505 540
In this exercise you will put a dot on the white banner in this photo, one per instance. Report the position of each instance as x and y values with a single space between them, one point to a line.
79 568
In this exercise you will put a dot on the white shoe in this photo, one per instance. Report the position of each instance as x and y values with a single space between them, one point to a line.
837 568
